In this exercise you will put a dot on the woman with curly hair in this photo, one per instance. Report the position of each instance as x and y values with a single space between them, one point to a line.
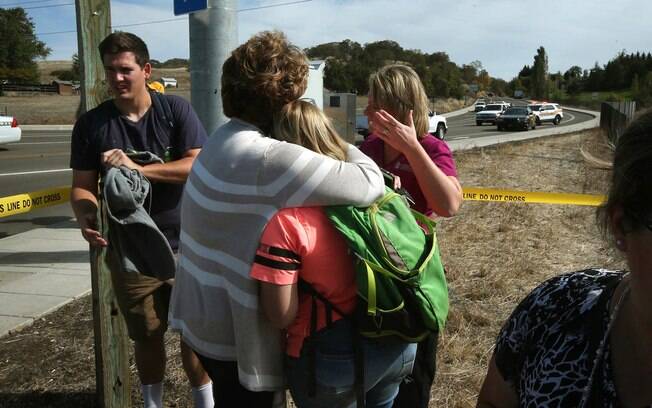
239 181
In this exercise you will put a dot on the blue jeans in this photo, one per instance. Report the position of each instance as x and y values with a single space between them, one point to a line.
385 367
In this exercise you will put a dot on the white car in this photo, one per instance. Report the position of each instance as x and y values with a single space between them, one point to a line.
9 130
547 112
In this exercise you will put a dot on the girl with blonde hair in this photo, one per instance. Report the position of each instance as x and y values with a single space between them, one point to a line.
302 244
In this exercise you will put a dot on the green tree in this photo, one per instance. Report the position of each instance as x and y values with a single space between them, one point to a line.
539 75
614 74
484 79
469 73
644 95
348 66
499 86
574 72
636 87
336 78
595 78
19 47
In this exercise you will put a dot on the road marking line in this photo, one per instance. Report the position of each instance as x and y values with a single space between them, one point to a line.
25 173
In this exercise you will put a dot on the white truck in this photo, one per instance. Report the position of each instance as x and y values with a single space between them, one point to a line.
490 113
169 82
437 125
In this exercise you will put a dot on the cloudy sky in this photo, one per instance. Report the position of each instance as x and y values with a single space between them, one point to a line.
502 34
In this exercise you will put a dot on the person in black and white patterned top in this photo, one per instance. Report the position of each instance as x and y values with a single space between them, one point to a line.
584 339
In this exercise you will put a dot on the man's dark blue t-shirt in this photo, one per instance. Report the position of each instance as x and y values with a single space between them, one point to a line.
104 128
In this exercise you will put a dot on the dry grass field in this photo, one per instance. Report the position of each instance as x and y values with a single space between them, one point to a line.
494 254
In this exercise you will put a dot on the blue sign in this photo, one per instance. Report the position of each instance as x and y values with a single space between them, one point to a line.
188 6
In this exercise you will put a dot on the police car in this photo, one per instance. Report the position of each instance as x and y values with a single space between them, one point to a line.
547 112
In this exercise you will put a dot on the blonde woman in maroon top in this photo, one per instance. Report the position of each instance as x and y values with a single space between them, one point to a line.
400 143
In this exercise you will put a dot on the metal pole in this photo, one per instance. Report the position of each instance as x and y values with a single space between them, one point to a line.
213 35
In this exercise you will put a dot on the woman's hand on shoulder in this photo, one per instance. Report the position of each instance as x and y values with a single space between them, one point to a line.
399 136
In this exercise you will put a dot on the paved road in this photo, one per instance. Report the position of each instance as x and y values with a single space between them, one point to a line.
38 161
464 127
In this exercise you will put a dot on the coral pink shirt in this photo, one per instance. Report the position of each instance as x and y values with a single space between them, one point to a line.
302 242
437 150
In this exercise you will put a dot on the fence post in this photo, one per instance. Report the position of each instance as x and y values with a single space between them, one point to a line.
111 343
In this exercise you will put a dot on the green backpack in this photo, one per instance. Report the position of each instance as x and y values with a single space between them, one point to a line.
402 291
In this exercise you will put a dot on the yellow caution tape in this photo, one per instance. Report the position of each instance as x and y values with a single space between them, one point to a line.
22 203
511 196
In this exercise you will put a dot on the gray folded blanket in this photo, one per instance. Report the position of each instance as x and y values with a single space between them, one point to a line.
133 235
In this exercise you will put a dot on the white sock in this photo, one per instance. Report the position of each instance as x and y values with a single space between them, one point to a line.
203 395
152 395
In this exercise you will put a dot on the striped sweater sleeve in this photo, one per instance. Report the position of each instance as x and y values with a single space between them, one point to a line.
300 177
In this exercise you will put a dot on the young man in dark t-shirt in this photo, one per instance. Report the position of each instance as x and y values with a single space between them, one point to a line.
103 138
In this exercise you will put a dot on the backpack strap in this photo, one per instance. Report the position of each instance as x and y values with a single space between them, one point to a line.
358 367
162 108
307 288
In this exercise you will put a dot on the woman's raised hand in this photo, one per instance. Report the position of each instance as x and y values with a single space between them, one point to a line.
401 137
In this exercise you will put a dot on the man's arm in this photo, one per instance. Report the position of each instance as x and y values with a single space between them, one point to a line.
83 199
175 171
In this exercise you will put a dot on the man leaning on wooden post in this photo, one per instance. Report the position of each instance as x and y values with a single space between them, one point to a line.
132 146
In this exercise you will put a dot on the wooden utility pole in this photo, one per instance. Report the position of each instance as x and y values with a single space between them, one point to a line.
111 342
93 25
